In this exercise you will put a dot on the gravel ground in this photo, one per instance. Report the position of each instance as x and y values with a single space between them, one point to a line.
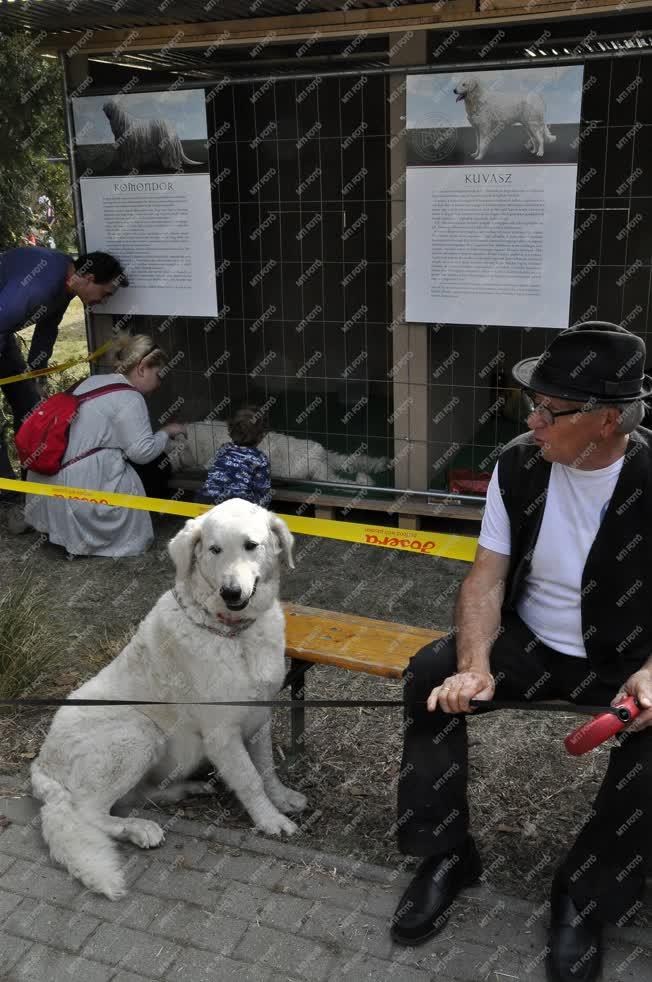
527 795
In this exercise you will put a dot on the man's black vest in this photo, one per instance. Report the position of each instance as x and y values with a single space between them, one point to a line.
616 596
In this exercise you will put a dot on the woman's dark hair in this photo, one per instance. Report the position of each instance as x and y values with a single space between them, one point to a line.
248 426
104 267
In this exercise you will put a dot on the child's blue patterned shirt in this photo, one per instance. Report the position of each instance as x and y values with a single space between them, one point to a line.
239 472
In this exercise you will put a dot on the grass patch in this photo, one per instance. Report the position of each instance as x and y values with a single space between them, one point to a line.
31 648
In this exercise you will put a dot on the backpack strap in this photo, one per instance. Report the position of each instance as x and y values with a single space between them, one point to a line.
104 390
101 391
87 453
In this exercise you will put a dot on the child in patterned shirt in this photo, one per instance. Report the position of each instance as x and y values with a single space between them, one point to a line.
240 469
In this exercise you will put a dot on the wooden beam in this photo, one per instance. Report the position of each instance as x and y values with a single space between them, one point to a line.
441 15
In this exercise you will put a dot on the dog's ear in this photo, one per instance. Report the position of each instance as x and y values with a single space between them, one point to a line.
182 547
283 538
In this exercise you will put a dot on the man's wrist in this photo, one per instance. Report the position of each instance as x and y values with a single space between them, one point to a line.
476 665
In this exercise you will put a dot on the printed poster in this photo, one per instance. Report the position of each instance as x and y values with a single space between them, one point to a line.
142 162
490 196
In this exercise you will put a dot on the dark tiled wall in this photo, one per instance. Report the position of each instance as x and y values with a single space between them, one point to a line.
611 266
299 173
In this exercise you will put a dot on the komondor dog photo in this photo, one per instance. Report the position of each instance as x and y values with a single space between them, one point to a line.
303 460
142 142
490 112
218 635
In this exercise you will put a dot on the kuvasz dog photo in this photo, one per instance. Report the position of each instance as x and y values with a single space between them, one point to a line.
219 634
290 458
489 112
494 117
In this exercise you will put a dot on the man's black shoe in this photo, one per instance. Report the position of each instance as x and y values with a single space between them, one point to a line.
575 939
424 907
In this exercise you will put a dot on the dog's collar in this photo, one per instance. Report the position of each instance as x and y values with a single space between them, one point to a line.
226 627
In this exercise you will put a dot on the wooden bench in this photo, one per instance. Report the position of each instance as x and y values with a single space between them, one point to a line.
358 644
409 509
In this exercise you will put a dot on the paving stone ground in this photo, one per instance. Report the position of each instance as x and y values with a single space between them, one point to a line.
217 905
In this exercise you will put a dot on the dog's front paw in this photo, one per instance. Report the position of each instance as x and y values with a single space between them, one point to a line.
144 833
292 801
276 824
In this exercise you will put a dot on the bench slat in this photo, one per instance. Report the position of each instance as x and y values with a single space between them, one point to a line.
360 644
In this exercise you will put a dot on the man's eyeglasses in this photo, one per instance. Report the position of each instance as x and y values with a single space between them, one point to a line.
550 415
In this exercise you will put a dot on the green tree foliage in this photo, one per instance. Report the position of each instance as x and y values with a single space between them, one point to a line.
31 130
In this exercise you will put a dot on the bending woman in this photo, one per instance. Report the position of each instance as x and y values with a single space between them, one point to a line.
108 435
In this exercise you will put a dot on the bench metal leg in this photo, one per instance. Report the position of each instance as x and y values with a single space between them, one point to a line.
295 679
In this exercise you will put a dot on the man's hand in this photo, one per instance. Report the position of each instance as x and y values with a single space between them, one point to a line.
638 685
455 692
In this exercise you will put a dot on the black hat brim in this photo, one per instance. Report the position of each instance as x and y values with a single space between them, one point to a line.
524 370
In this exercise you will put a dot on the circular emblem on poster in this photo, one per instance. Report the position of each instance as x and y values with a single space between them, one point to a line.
436 140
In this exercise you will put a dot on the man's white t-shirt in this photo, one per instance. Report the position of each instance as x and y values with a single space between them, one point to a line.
550 603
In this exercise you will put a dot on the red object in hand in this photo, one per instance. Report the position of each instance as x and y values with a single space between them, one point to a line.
600 728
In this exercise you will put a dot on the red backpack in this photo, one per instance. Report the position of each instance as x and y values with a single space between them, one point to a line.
42 439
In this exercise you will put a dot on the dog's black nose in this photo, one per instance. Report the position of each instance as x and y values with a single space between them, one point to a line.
231 594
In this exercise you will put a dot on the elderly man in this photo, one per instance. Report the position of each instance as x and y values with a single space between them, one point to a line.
556 605
36 286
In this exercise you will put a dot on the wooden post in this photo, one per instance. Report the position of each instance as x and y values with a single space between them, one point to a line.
99 327
325 511
409 522
410 341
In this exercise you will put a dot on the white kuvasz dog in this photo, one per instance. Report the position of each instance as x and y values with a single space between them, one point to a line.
218 635
489 112
289 457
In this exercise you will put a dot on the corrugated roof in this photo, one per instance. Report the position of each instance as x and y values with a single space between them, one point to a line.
617 31
61 15
280 60
75 19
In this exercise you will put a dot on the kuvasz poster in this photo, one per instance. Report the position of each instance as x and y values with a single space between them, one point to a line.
142 161
490 196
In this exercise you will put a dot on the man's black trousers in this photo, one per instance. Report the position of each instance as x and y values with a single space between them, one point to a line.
607 863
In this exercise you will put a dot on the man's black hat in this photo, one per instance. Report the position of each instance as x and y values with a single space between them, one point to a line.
593 361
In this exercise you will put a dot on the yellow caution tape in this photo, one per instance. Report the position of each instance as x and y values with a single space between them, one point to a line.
407 540
424 543
38 372
139 502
